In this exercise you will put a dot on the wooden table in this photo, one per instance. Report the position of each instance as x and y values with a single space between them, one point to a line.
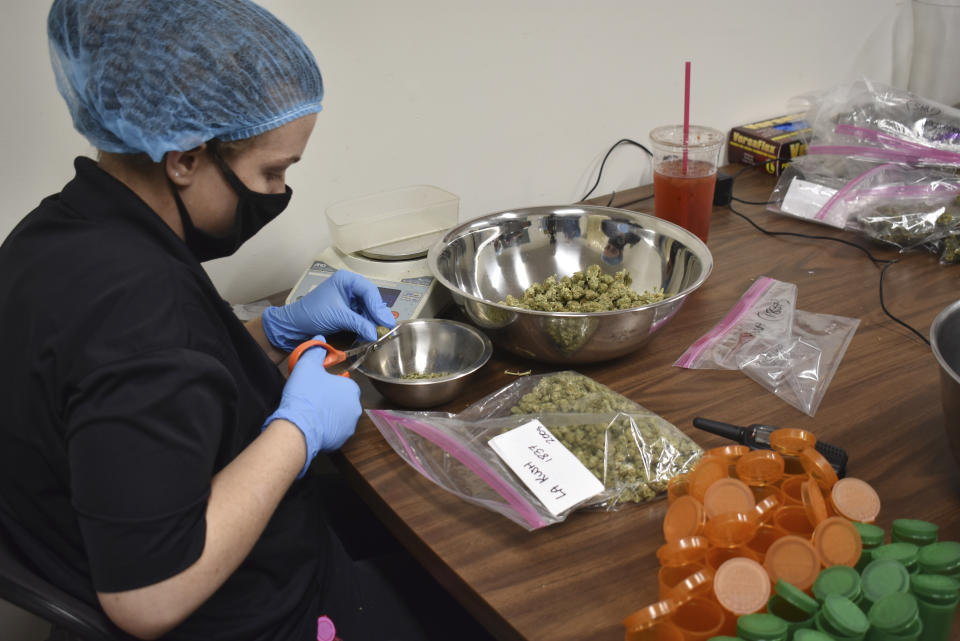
578 579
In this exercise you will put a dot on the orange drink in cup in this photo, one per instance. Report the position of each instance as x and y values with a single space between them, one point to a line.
685 175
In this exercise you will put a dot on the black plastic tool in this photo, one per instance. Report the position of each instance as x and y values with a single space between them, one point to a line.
757 437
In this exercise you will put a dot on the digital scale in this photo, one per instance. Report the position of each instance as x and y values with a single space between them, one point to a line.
385 238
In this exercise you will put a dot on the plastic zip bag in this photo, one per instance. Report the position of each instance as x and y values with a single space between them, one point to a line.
762 317
869 114
800 369
794 355
812 187
909 208
632 451
892 203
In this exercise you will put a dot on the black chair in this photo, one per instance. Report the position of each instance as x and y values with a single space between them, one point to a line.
71 619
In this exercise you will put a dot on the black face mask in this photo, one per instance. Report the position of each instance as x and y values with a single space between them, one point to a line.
254 210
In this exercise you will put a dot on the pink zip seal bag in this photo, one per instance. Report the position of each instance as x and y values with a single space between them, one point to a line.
761 318
628 452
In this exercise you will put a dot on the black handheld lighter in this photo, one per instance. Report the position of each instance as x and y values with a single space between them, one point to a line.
757 437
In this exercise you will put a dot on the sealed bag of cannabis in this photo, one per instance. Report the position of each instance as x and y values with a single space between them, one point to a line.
542 447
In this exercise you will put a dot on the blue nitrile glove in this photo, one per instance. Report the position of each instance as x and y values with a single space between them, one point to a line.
323 406
344 302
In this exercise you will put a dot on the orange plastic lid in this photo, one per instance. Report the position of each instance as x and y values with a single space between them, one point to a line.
651 615
790 488
837 542
731 529
763 539
669 577
760 467
707 471
789 440
760 492
729 452
690 549
665 631
855 499
718 556
697 584
818 467
813 502
793 519
793 559
742 586
685 517
765 509
677 486
728 495
699 618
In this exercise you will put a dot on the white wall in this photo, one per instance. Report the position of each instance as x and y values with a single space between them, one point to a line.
506 103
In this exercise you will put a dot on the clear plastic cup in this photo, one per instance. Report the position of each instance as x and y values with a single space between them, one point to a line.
685 175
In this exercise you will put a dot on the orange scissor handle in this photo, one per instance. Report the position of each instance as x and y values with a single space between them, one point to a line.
333 357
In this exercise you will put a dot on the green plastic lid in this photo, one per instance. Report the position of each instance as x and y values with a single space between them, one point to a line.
761 627
915 531
811 635
838 579
941 556
870 535
844 616
795 596
935 587
882 577
894 612
901 551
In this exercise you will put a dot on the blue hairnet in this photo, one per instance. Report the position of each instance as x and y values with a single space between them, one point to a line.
159 75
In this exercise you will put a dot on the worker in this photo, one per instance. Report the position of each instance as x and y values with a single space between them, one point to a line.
153 459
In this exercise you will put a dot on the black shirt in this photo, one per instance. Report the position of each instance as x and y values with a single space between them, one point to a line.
127 384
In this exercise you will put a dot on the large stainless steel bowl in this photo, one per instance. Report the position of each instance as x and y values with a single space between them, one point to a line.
485 259
945 342
427 346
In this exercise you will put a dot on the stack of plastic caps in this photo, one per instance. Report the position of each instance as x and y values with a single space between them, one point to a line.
769 545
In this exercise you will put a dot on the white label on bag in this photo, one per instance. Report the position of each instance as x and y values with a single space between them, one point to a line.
545 466
805 198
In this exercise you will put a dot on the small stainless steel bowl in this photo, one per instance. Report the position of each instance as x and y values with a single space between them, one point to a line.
427 346
945 342
485 259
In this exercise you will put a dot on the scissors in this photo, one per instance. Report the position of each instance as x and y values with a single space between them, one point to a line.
340 362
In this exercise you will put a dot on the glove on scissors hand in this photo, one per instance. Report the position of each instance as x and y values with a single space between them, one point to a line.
324 407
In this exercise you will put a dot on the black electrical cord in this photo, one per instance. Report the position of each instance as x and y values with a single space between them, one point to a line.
610 151
634 202
752 202
876 261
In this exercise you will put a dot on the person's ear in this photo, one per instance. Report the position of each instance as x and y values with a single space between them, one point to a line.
181 166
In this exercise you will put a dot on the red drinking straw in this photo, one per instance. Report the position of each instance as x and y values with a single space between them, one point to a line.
686 113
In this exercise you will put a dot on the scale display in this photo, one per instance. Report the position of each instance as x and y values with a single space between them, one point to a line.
407 298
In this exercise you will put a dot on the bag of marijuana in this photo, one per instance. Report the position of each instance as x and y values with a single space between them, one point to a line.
631 451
